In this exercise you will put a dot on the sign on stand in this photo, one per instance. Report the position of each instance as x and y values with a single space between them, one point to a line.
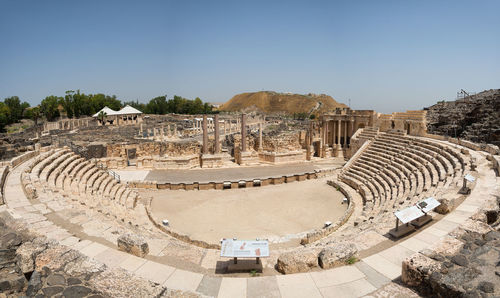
469 178
409 214
244 249
428 204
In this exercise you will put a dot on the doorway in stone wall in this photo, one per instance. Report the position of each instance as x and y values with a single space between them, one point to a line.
407 128
132 157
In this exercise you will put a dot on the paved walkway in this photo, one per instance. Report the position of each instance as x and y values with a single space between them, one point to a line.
239 173
356 280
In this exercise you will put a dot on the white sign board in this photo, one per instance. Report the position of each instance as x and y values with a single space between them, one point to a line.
428 204
409 214
244 248
469 178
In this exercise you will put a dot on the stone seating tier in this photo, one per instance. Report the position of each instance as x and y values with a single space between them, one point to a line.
368 161
63 171
396 170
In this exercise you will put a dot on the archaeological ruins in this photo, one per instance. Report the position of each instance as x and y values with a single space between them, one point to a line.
352 203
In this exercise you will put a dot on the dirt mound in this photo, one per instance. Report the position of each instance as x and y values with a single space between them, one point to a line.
286 103
475 118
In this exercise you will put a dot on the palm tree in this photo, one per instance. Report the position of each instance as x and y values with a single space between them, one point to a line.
101 116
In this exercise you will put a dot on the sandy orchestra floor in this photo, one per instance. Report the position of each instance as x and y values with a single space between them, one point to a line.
267 212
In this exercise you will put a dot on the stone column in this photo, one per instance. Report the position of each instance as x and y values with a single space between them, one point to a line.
352 127
345 134
162 129
321 141
309 141
324 137
217 144
243 133
334 135
205 135
340 132
140 130
260 136
175 130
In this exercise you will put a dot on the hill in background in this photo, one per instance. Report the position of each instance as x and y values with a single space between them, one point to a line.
271 102
475 118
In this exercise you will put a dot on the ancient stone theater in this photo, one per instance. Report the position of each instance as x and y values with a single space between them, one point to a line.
247 204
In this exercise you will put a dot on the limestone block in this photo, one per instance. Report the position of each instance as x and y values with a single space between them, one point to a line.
25 255
30 191
416 268
471 226
297 261
447 205
133 244
336 255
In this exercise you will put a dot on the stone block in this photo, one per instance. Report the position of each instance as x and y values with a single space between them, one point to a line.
133 244
25 255
297 261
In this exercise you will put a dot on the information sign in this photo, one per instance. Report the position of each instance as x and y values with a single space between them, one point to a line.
409 214
244 248
428 204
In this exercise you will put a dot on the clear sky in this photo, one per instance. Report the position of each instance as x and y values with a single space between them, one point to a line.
383 55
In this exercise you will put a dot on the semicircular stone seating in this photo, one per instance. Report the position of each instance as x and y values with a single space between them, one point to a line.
396 170
64 172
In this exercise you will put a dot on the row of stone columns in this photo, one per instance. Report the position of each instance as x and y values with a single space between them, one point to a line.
243 130
159 132
67 124
228 126
337 139
340 132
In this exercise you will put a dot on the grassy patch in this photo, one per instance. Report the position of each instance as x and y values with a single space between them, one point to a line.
351 260
253 273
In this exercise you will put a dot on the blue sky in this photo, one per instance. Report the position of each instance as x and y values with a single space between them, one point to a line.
383 55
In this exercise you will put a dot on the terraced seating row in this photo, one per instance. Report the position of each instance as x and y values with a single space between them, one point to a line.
61 170
396 170
368 133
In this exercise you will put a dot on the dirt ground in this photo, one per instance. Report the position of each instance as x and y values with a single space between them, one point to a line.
267 212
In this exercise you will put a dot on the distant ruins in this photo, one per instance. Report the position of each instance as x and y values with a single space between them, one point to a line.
71 225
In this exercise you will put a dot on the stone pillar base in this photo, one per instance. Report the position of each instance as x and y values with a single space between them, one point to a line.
213 160
248 158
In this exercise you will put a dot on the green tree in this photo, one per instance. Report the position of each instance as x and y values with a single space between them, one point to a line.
16 108
102 116
49 107
33 114
157 105
99 101
4 116
67 103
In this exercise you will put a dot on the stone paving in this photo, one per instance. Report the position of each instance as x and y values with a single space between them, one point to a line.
362 278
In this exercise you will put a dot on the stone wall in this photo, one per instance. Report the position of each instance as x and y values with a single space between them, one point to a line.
3 176
22 158
490 148
147 149
283 142
411 122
